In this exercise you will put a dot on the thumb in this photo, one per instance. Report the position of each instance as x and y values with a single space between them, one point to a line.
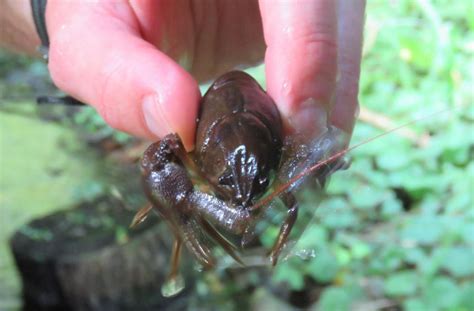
98 56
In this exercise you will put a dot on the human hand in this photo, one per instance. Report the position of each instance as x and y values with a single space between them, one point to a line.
139 62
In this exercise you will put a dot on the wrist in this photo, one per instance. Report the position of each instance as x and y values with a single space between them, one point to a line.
18 28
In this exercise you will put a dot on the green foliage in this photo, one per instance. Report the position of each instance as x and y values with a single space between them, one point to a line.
401 219
335 298
458 261
290 272
340 298
325 268
401 283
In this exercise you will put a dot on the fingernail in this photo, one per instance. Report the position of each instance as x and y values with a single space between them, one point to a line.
155 116
311 118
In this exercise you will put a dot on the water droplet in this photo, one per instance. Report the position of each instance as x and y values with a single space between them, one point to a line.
172 286
199 268
305 254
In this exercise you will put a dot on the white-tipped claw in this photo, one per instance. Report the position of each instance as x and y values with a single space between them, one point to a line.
173 286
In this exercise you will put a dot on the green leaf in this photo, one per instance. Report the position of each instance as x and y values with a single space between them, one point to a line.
419 183
340 219
378 178
314 236
397 179
366 197
467 294
442 293
323 267
121 235
343 255
336 213
425 230
340 182
415 304
360 250
462 198
455 137
289 273
415 256
468 233
430 205
459 261
335 298
403 283
454 226
387 260
459 203
393 159
420 51
269 235
432 264
391 207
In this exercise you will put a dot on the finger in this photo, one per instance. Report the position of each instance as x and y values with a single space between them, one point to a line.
300 59
350 32
98 56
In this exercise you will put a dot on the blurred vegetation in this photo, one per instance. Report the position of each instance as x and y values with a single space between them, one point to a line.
396 229
398 226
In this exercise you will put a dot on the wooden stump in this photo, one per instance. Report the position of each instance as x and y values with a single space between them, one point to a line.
86 258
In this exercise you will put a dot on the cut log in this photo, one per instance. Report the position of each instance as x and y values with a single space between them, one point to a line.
86 258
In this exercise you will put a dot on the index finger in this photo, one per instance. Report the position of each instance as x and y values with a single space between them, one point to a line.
301 59
135 87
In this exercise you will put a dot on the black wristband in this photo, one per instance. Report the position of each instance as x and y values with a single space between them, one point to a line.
38 9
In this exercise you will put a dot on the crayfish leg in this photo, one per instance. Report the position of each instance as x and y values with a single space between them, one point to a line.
292 204
175 257
174 284
228 247
196 241
141 215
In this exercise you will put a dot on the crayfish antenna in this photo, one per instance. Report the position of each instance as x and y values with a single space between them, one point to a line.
283 188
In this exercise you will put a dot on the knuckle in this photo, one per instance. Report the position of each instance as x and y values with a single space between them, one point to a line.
348 83
321 40
314 38
321 51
